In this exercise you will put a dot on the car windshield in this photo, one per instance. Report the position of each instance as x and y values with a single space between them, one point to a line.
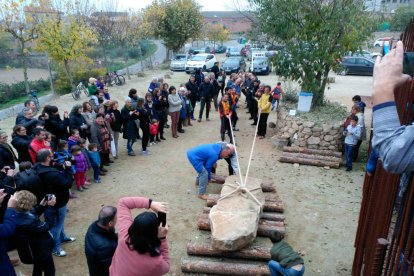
231 61
234 50
183 57
260 61
198 58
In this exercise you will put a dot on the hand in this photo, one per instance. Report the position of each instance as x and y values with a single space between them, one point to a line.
5 168
107 116
10 172
159 206
67 164
47 143
162 231
66 114
52 202
388 74
46 116
131 112
12 202
2 195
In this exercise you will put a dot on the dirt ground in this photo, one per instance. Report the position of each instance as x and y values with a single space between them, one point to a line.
322 206
16 75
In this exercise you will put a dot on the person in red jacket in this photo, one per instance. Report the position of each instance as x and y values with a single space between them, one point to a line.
38 143
225 110
142 246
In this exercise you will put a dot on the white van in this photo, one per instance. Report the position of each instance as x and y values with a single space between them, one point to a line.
260 63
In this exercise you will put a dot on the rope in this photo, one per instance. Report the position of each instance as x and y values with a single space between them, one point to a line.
251 152
242 191
235 150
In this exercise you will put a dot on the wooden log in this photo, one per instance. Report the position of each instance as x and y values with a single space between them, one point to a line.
318 163
268 187
312 156
251 252
313 151
264 215
203 223
269 206
223 268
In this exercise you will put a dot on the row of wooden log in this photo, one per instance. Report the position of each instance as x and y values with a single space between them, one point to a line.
311 159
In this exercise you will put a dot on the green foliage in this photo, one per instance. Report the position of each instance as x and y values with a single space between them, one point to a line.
12 91
134 52
402 17
315 33
326 114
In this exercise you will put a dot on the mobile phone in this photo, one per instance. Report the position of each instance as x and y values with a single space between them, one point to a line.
9 190
48 197
162 218
408 63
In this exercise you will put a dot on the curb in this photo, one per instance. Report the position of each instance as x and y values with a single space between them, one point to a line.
13 110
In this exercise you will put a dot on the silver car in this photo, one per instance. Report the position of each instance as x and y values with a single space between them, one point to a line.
178 62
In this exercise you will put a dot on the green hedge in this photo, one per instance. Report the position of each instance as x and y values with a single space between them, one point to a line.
12 91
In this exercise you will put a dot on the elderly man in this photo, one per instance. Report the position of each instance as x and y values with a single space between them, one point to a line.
206 93
27 120
203 158
29 104
101 242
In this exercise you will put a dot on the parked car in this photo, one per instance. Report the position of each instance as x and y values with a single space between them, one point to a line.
232 51
195 51
221 49
260 65
364 53
380 41
178 62
233 65
201 61
356 66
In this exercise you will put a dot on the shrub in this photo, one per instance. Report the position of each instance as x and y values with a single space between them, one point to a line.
16 90
134 52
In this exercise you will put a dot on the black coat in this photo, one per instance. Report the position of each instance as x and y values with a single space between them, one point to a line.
160 106
30 181
116 120
36 232
207 90
143 117
76 120
100 245
57 127
6 156
130 130
29 124
193 88
151 111
55 182
21 144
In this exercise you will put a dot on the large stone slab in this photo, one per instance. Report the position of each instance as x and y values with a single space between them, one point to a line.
234 220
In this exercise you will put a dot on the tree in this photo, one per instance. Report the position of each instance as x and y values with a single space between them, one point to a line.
65 39
20 19
402 17
315 34
174 21
217 33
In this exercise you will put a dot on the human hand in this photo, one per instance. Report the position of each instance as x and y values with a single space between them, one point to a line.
5 169
67 164
12 202
159 207
162 231
107 116
2 195
52 201
10 172
66 114
46 116
388 74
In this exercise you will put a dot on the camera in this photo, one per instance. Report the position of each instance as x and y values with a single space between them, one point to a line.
408 63
48 197
9 190
162 218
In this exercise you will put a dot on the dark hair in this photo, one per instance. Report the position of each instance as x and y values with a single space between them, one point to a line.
275 236
25 165
26 103
106 215
227 89
61 144
268 86
279 83
140 102
81 142
91 146
84 106
356 98
16 129
354 118
52 109
73 131
132 91
37 131
143 234
99 115
75 148
42 155
172 87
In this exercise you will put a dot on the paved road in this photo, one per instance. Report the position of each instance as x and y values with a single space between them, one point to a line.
157 58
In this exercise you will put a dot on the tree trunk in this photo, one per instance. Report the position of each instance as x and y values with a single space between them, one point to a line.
69 73
269 206
105 57
312 156
318 163
24 65
127 69
251 252
264 215
222 268
313 151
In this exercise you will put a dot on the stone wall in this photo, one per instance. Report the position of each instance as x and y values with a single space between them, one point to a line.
309 134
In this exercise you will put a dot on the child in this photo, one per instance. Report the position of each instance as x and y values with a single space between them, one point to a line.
74 138
81 166
234 98
61 154
277 92
358 101
82 145
95 159
154 131
285 261
225 110
49 138
352 135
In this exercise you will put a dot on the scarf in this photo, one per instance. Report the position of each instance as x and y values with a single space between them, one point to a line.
234 98
226 107
105 137
130 108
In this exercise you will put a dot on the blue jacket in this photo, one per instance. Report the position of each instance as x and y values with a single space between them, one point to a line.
204 156
94 158
7 228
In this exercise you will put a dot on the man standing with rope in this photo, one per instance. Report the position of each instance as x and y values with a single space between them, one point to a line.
203 158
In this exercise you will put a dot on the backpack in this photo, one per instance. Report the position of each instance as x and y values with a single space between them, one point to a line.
276 94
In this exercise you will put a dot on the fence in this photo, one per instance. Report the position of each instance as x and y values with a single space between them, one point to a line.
384 241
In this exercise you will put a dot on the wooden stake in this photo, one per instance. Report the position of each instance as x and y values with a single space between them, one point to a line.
222 268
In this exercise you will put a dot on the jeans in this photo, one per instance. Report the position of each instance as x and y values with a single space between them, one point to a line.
275 103
215 102
130 143
47 266
96 172
56 218
145 135
202 181
193 104
276 269
207 103
349 151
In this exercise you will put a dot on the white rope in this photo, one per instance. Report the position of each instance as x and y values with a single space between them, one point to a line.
242 191
235 150
251 152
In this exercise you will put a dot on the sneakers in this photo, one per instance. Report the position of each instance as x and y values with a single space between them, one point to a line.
80 189
68 240
73 195
60 253
98 180
145 152
153 143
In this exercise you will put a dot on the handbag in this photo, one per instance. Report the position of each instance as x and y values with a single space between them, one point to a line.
113 148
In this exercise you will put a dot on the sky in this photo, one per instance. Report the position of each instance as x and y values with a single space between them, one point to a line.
207 5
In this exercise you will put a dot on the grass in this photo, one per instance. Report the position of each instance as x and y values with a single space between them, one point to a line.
120 64
22 99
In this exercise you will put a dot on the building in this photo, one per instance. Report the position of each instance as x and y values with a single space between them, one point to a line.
235 22
386 6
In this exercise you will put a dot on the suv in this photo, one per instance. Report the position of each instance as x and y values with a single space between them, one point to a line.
356 66
200 61
178 62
